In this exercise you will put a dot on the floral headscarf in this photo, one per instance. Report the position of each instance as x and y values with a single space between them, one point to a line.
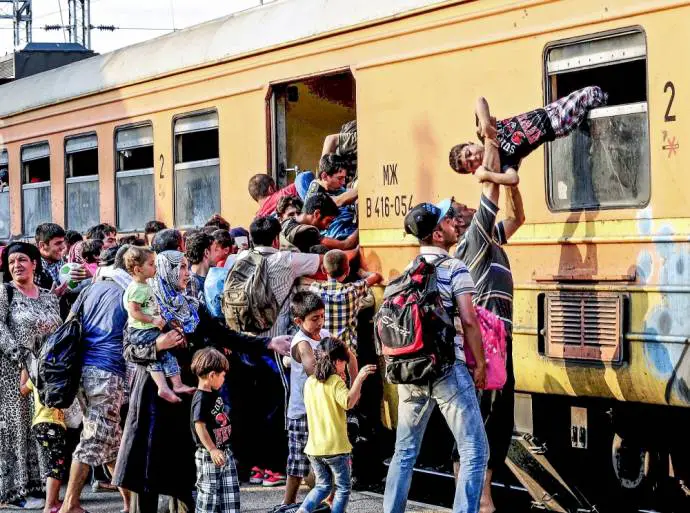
175 307
75 253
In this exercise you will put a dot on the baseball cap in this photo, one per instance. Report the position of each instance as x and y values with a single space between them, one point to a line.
423 218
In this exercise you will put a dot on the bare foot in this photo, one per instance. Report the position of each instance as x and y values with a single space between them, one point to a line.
169 396
184 389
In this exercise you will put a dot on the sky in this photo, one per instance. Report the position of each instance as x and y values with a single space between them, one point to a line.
132 14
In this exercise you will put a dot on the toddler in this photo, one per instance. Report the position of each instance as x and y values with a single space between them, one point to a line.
144 324
326 399
218 487
49 429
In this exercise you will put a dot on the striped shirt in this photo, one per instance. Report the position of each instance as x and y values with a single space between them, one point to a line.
481 248
453 280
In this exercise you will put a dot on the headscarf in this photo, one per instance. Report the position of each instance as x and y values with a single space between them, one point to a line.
22 247
75 253
175 307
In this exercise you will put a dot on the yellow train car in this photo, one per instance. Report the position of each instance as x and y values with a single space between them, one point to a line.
173 128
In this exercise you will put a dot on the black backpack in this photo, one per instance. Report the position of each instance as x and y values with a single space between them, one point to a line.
413 331
60 359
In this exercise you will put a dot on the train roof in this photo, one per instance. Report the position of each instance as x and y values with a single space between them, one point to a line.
279 23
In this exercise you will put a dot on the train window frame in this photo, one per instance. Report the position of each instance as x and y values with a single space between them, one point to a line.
612 57
5 211
179 168
133 174
27 187
76 185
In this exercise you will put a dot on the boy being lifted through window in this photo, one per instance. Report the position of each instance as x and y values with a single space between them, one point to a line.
518 136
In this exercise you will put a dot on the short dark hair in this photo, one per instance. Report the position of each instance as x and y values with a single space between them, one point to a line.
289 201
168 239
304 302
119 262
223 238
454 158
132 240
335 263
91 250
331 164
259 186
323 203
72 237
218 221
154 227
196 245
208 360
99 231
264 230
45 232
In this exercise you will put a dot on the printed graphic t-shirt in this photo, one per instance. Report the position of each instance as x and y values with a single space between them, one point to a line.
521 135
141 294
209 408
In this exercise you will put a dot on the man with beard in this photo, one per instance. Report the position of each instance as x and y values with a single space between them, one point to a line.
481 248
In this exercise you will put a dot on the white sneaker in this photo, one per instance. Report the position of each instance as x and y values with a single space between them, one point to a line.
33 503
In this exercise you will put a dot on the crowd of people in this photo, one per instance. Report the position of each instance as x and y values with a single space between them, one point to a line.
175 402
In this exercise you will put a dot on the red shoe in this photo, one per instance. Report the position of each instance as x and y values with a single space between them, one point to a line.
256 476
273 479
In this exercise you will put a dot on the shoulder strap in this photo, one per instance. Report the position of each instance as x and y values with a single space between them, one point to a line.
76 310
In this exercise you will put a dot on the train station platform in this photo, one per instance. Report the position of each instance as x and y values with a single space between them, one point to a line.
255 499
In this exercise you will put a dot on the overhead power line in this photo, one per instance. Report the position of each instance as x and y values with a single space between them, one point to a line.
108 28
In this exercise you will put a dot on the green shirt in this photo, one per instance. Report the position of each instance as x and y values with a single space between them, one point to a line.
141 294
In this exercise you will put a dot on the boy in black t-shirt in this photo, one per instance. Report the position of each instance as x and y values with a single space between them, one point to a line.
518 136
218 487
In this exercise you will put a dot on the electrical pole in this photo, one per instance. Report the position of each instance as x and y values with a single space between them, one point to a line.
19 11
79 28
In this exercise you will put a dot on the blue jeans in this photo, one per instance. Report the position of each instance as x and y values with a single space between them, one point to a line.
455 395
328 469
166 363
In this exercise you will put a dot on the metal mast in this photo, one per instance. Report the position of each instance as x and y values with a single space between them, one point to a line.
19 11
80 22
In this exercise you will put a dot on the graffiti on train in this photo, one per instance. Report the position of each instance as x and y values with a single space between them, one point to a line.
669 266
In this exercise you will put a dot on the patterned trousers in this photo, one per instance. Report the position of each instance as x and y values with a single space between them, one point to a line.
218 488
567 113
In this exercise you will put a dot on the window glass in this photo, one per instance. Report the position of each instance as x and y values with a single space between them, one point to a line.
82 194
605 163
134 177
197 169
36 192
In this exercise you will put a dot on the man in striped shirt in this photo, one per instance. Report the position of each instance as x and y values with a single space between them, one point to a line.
454 392
481 248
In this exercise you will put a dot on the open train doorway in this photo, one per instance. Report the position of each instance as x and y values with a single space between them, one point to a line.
304 112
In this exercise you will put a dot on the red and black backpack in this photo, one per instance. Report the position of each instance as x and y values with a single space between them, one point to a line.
413 331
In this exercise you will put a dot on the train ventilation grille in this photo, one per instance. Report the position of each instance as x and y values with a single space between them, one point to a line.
584 326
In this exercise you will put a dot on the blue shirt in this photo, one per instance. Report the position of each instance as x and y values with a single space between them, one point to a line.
103 325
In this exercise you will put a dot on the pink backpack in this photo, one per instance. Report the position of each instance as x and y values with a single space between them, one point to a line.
494 342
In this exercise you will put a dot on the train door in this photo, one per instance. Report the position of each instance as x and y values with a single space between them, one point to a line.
303 113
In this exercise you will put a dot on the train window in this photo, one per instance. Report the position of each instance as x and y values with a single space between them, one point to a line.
82 203
197 169
35 186
134 177
605 162
4 195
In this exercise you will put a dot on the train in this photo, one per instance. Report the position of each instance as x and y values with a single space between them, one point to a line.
173 128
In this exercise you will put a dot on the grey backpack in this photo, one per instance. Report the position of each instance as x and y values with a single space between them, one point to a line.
249 304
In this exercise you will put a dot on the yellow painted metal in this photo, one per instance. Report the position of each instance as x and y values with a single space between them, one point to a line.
416 79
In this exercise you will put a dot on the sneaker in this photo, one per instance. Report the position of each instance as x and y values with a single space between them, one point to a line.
256 476
103 486
273 479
